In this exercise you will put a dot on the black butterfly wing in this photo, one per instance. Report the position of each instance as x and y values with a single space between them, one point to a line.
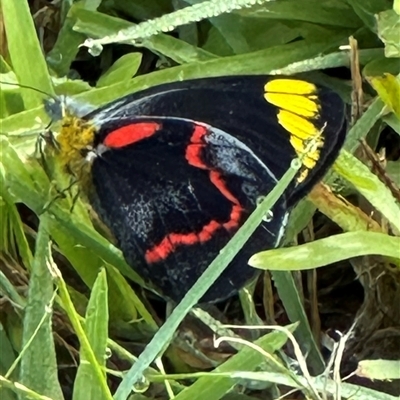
173 199
274 116
175 196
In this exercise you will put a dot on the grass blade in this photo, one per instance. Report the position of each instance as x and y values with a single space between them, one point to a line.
38 354
25 51
86 385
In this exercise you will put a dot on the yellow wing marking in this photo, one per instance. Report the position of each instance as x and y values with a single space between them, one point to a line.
298 112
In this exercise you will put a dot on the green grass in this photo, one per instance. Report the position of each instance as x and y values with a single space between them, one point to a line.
45 313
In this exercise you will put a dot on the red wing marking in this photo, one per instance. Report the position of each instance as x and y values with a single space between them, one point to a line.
234 220
218 181
198 134
171 241
196 146
193 155
131 133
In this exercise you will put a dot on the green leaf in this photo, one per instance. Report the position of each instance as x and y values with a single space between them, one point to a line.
86 385
25 52
388 31
327 251
323 12
38 355
143 9
383 370
393 170
10 95
388 88
254 35
380 65
122 70
367 9
369 185
234 38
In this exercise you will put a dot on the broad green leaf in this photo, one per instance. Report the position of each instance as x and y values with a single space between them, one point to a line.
233 38
122 70
327 251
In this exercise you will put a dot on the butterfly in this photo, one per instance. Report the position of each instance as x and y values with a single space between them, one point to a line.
176 169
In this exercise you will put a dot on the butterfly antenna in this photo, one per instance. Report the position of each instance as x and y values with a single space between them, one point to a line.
31 88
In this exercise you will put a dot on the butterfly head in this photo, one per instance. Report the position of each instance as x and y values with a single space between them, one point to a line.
76 134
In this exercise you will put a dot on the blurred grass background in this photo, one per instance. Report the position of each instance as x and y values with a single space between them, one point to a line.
70 334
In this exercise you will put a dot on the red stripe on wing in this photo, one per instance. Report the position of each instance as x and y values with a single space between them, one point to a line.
130 134
171 241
